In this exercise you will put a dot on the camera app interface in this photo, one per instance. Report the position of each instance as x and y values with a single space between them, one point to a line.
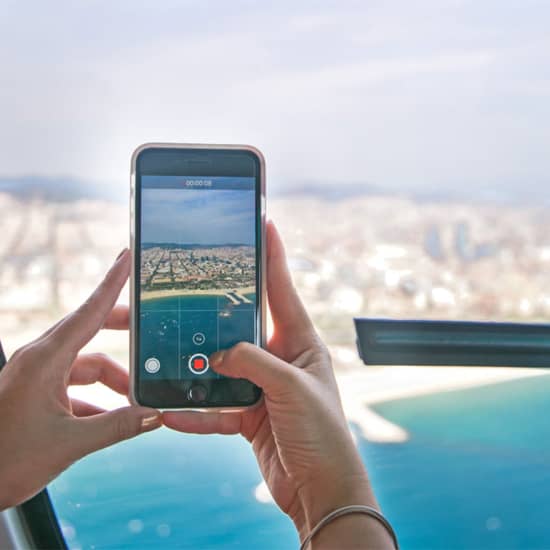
197 272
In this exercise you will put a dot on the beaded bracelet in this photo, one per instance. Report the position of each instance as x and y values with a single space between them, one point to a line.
353 509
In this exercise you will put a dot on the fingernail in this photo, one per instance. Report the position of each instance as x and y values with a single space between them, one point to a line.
216 359
151 422
122 252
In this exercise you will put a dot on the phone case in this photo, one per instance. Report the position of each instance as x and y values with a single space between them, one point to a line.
261 319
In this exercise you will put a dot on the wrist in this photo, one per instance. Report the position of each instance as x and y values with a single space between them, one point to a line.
297 514
327 493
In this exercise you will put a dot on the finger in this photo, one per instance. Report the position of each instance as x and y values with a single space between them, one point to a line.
98 367
200 423
287 310
50 330
118 319
78 328
92 433
248 361
82 408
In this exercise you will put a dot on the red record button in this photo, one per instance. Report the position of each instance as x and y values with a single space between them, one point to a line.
198 363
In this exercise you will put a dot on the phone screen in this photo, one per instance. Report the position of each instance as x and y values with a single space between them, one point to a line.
197 284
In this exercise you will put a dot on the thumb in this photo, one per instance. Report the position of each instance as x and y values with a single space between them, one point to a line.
104 429
245 360
287 310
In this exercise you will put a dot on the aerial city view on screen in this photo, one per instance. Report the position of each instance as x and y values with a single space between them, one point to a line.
197 276
179 269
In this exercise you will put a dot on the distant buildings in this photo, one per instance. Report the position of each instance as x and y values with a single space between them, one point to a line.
372 256
197 268
432 243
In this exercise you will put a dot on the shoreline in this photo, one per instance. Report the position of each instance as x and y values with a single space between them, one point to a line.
174 293
362 390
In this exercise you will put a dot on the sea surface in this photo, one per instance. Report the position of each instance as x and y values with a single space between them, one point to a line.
475 474
168 325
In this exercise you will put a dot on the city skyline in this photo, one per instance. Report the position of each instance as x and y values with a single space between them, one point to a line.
434 260
199 268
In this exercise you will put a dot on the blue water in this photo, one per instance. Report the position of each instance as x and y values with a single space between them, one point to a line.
166 490
474 474
167 327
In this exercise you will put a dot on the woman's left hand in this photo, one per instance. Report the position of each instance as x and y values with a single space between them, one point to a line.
43 430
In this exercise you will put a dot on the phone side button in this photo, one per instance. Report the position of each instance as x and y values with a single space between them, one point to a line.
197 393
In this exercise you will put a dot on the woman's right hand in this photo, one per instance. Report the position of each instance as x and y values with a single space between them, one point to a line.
299 432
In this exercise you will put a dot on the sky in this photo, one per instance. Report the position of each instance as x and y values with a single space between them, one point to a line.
188 216
391 92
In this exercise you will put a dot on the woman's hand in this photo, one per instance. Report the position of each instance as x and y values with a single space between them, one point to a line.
42 430
299 432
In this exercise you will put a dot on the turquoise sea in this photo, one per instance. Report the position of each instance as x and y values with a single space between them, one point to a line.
476 471
474 474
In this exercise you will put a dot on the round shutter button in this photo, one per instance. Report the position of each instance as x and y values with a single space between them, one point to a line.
197 393
198 363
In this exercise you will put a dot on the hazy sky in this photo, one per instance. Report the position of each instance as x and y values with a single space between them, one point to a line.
397 93
197 217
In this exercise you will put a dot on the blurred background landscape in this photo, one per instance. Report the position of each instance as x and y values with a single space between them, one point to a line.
386 254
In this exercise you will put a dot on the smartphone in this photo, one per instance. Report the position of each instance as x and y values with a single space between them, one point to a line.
197 235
